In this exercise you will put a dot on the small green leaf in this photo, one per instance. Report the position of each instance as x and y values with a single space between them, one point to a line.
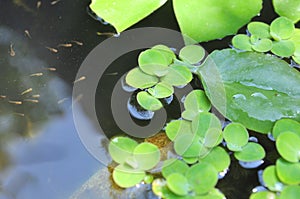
161 90
178 184
260 29
213 137
197 101
178 75
263 195
153 62
283 48
242 42
271 180
178 127
174 166
148 102
189 114
190 160
288 8
120 148
236 136
290 192
192 54
288 172
217 157
212 194
284 125
187 145
282 28
262 45
250 152
126 177
203 122
160 188
148 179
147 155
296 40
202 177
166 51
138 79
296 59
288 146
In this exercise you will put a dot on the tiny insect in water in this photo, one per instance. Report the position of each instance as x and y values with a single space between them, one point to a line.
38 4
19 114
31 100
15 102
79 79
54 50
36 96
12 51
55 2
62 100
51 69
65 45
2 96
36 74
27 91
27 34
77 42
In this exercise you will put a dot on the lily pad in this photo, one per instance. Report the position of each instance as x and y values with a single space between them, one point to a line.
178 75
288 172
250 152
148 102
242 42
202 177
283 48
284 125
178 184
288 8
203 122
212 19
166 51
178 127
263 195
290 192
125 176
217 157
282 28
147 155
236 136
271 179
138 79
260 29
161 90
192 54
197 101
174 166
120 148
288 146
241 86
262 45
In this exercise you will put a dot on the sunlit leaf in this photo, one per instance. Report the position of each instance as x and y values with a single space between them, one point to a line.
217 157
178 127
242 42
250 152
288 146
178 75
187 145
166 51
174 166
236 136
283 48
284 125
288 8
147 155
178 184
125 176
260 29
212 194
192 54
287 172
271 179
161 90
148 102
213 137
197 101
290 192
262 45
264 195
138 79
282 28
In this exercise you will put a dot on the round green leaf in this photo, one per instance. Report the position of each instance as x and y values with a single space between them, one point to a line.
178 127
284 125
263 195
202 177
153 62
283 48
147 155
217 157
203 122
260 29
178 75
192 54
120 148
242 42
161 90
250 152
296 59
172 165
138 79
262 45
178 184
166 51
125 176
271 180
236 136
197 101
148 102
282 28
190 160
290 192
213 137
189 114
187 145
213 194
148 179
288 8
296 40
288 146
288 172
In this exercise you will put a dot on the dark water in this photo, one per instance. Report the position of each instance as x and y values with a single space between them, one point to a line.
41 155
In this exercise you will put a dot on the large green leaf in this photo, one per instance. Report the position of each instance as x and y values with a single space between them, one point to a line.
212 19
288 8
123 14
251 88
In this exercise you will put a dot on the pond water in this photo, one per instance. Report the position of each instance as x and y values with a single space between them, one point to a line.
41 155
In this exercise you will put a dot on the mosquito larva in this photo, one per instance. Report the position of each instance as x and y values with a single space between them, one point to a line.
55 2
64 45
51 69
54 50
79 79
38 4
19 114
26 91
77 42
27 34
31 100
62 100
12 51
3 96
15 102
36 74
35 96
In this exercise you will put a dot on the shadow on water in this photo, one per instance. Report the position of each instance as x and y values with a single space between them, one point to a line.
41 155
